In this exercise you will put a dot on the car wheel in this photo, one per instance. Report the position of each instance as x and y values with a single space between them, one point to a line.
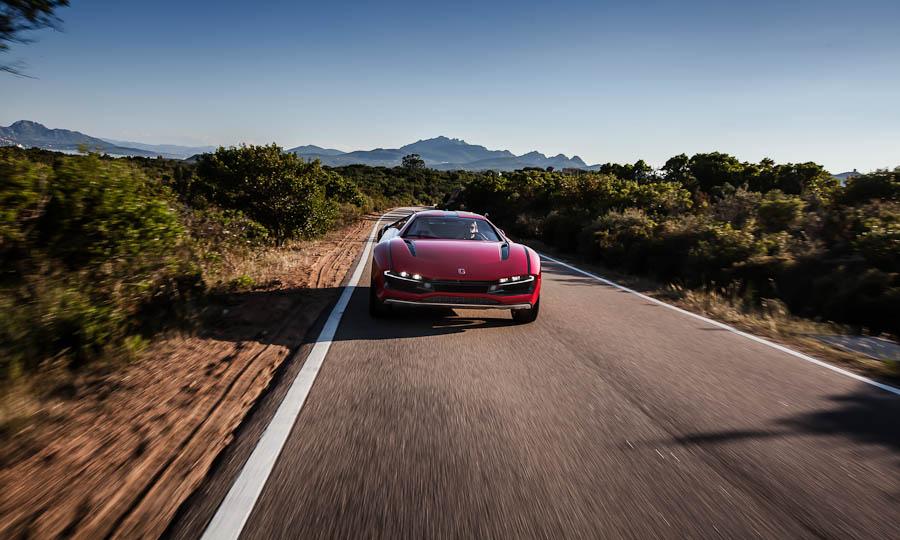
524 316
377 308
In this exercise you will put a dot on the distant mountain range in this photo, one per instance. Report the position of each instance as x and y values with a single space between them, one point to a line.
440 152
173 151
29 134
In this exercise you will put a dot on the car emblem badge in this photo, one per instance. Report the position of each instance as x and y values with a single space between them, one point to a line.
461 271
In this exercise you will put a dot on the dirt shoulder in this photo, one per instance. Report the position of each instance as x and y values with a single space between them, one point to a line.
115 454
772 321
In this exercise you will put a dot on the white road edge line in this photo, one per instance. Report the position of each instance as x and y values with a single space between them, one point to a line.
782 348
232 514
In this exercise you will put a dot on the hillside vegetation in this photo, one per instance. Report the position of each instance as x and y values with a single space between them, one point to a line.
98 254
758 231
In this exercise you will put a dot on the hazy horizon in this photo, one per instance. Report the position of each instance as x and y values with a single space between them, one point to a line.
813 81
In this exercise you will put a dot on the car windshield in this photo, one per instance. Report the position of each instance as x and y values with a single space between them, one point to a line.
451 228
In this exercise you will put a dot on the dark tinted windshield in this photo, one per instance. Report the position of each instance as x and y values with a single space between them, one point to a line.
451 228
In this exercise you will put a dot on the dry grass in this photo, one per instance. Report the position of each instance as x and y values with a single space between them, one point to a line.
773 320
233 267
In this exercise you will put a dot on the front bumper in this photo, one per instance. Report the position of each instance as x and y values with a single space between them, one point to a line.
467 305
456 294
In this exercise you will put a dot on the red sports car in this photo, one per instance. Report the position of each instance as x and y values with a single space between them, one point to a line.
456 260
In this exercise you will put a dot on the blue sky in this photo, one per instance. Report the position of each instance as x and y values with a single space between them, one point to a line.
609 81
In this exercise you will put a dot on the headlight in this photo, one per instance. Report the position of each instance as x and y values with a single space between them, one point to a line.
403 275
509 284
514 280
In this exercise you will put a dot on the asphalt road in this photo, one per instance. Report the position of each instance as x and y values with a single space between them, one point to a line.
610 416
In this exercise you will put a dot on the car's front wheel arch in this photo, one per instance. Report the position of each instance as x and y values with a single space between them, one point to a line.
524 316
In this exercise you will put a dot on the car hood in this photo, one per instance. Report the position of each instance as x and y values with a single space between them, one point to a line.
443 259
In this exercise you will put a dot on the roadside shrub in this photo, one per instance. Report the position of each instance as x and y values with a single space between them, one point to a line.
23 185
867 298
860 189
737 208
779 212
526 226
619 239
719 247
105 210
879 236
488 193
87 244
697 251
597 194
562 230
289 197
762 230
821 191
387 187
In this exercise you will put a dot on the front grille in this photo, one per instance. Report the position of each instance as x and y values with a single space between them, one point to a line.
477 287
459 300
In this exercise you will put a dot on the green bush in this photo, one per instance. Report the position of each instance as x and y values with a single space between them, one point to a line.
289 197
878 241
619 239
739 208
695 251
104 210
779 212
387 187
22 188
85 245
861 189
562 230
719 247
866 297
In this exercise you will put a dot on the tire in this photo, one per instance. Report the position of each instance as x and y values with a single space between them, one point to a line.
525 316
377 308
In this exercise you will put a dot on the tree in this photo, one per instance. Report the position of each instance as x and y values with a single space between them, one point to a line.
715 169
794 177
677 169
20 16
641 171
413 162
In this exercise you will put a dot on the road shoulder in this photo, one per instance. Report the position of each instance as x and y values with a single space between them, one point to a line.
119 454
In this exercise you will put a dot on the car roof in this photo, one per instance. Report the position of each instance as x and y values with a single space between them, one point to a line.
449 213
